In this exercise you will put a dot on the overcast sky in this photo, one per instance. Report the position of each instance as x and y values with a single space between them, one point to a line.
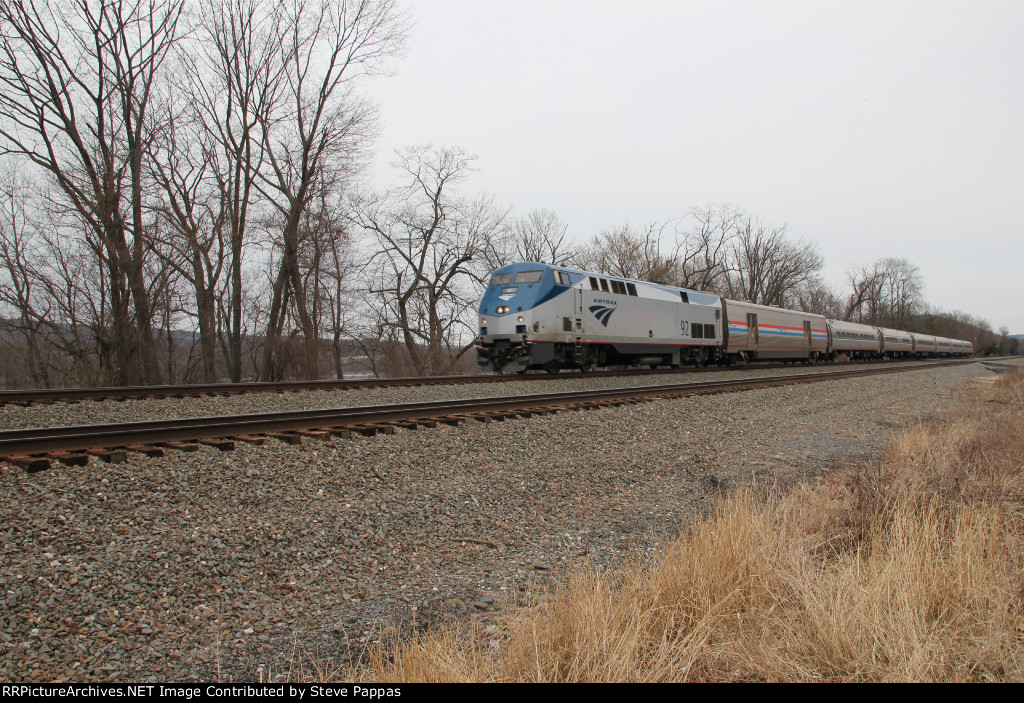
874 129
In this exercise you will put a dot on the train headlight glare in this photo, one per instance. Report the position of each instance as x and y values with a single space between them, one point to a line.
483 320
520 318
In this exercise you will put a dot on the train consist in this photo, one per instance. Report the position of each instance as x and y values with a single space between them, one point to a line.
538 316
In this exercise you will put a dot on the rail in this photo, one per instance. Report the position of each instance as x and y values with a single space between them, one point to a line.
33 448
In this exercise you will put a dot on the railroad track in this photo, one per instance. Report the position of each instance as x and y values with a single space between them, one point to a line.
33 396
36 448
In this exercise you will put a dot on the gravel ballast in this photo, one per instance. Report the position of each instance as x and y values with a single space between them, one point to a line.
224 565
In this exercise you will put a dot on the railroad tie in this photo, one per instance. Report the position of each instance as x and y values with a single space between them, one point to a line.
69 458
250 439
29 463
181 446
371 430
341 432
110 456
146 449
287 437
224 445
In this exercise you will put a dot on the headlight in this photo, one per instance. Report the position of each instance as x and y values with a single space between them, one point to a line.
520 318
483 320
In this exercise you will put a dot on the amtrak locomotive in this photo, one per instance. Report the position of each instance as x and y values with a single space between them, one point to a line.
538 316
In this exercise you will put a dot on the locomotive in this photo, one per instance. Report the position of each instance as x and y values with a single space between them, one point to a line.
539 316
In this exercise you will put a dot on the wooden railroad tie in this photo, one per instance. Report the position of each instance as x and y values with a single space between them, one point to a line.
287 437
250 439
225 445
181 446
69 458
146 449
371 430
111 456
29 463
342 432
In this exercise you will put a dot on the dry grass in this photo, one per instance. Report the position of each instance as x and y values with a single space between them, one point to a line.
908 570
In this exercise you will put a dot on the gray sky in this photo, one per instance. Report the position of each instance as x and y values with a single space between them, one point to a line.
875 129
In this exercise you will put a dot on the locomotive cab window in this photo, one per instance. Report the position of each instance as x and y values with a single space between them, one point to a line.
528 276
500 279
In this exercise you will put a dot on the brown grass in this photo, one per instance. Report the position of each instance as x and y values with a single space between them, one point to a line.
906 570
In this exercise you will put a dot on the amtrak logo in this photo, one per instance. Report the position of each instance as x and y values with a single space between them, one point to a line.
602 313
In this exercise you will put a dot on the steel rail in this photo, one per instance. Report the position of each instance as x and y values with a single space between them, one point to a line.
28 396
55 395
30 441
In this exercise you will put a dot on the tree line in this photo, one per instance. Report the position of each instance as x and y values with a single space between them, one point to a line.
184 199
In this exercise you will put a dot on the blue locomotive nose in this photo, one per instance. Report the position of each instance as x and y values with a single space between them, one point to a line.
514 289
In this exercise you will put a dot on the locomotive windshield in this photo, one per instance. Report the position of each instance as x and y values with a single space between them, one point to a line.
500 279
528 276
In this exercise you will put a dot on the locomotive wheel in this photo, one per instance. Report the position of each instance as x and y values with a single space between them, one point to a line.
587 366
552 366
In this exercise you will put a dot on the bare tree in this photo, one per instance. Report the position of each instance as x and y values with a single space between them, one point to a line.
427 246
77 77
540 236
336 287
54 289
706 246
900 292
888 293
20 317
315 139
767 267
191 218
233 74
630 254
864 282
816 296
